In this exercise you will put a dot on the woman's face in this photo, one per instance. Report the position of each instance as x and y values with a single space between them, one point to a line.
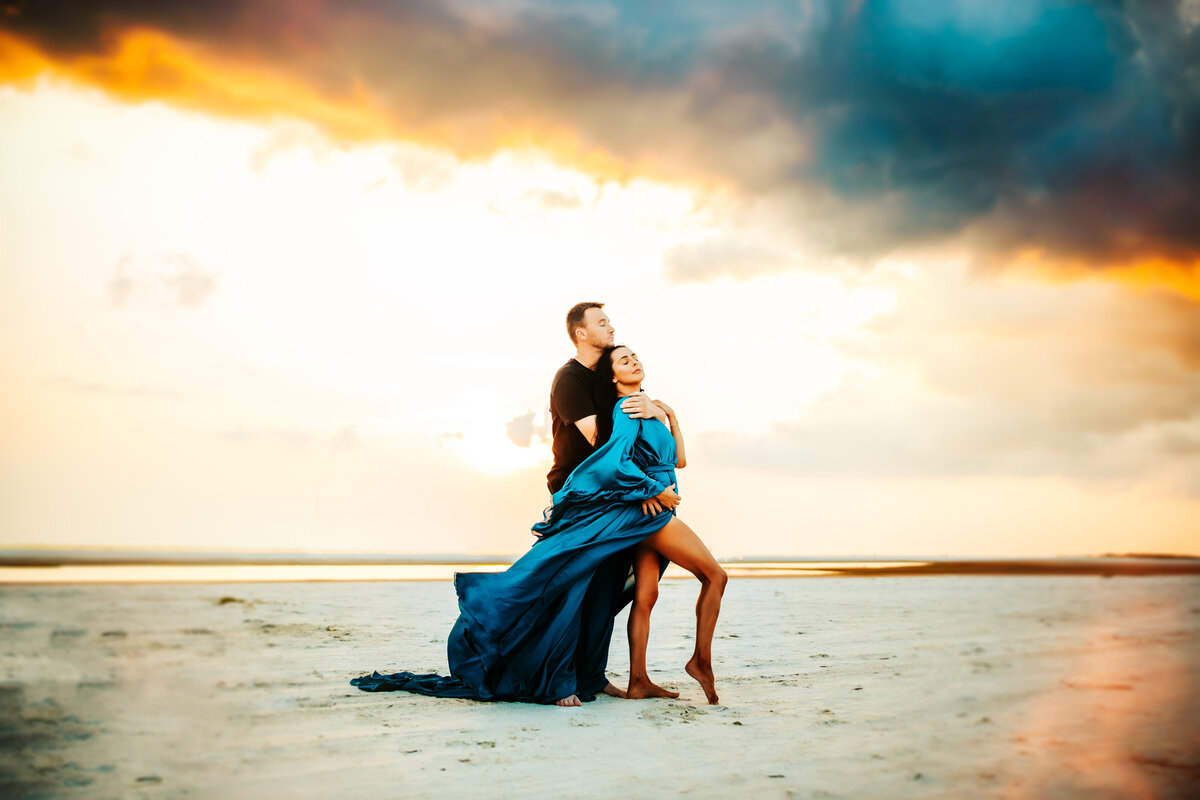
627 369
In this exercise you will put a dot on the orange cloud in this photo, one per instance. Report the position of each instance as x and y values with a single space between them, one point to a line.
148 65
144 64
1178 276
1152 272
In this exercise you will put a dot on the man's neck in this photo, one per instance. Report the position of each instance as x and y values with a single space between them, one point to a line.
587 355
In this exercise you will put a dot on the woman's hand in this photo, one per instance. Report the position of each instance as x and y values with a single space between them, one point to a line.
670 412
666 500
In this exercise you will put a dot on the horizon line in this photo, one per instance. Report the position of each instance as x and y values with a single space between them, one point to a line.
51 556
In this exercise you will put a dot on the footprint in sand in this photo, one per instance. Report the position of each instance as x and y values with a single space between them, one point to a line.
674 712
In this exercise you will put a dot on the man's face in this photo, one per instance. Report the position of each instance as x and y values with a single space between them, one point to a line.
599 331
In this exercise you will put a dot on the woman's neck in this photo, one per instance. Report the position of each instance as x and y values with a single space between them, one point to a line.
628 391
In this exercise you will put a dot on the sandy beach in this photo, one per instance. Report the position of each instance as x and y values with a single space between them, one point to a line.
932 686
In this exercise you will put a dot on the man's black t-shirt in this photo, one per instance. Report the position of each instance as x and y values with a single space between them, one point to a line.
576 393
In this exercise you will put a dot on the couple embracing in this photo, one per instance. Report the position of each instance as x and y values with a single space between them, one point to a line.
540 631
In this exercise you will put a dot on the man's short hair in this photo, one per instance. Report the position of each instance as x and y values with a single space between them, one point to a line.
575 318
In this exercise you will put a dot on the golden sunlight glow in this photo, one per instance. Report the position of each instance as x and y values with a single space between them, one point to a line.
1151 272
485 448
148 65
1107 681
144 64
239 574
1178 277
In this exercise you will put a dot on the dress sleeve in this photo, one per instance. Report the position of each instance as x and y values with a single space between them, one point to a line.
609 475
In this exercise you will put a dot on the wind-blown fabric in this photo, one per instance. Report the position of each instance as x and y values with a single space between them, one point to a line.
540 631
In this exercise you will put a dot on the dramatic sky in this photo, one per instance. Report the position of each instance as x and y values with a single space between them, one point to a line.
919 277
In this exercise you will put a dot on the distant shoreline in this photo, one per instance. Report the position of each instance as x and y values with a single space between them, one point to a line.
749 566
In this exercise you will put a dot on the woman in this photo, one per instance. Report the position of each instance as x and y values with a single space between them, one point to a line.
538 631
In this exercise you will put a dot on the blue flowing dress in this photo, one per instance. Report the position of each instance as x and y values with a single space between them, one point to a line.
540 631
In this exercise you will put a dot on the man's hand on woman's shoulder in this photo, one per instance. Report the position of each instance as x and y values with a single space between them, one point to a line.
640 406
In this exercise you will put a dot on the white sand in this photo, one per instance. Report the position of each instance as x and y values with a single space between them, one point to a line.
832 687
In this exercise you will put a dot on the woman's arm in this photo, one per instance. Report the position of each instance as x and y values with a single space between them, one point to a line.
673 423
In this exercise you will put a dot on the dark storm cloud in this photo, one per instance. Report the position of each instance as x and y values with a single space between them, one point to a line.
1067 127
1070 127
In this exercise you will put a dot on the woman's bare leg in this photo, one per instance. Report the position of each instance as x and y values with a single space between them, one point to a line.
681 545
645 572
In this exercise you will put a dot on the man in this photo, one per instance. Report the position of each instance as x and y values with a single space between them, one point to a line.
581 408
581 421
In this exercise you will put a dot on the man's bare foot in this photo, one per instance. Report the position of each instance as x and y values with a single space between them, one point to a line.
642 688
573 700
613 691
704 676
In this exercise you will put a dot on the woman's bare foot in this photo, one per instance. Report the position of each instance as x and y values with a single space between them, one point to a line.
704 676
573 700
642 688
613 691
